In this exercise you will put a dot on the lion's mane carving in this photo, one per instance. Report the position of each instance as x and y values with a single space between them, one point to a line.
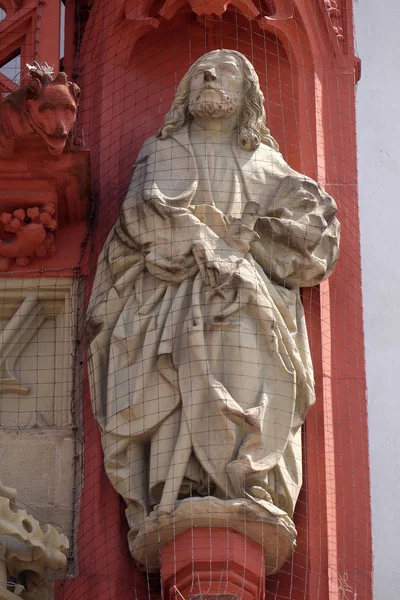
45 108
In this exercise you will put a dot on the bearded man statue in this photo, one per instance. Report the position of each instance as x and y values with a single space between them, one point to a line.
200 367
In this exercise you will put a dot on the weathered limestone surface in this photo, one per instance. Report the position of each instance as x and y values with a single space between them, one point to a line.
201 372
37 444
28 549
41 466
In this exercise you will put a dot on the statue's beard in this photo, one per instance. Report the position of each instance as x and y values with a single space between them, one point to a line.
210 109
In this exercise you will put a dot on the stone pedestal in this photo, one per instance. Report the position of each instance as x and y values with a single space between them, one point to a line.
212 564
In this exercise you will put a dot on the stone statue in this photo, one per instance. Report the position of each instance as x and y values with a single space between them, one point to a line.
201 374
44 109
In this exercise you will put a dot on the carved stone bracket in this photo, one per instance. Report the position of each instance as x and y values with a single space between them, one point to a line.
26 547
44 202
44 173
335 22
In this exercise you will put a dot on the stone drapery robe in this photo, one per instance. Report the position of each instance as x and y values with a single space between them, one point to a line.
202 388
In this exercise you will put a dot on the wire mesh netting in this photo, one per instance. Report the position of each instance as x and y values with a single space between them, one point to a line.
159 363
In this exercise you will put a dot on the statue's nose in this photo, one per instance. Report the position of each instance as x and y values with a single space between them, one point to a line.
210 75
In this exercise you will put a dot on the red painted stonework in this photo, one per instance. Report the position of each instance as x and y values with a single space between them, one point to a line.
31 234
45 108
213 563
44 176
33 178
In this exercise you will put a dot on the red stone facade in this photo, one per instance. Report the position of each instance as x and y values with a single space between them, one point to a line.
127 56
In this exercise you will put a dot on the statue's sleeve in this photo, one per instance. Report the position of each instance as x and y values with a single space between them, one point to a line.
299 234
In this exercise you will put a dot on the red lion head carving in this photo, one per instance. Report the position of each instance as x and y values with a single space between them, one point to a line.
51 108
46 106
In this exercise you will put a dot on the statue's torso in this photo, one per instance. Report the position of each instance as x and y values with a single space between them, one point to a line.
219 179
227 175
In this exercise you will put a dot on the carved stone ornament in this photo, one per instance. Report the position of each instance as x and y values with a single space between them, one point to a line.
44 174
26 547
200 368
33 234
336 18
335 23
43 109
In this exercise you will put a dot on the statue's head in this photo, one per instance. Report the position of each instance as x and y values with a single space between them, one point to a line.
51 106
221 84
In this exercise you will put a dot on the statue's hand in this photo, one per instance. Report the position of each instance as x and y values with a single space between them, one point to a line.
240 236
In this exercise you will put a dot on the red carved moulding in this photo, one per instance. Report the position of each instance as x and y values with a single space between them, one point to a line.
32 234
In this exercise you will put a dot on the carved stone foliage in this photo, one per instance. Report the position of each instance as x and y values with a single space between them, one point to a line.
35 350
33 234
44 173
27 547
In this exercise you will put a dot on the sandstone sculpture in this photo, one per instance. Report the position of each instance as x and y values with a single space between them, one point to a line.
201 374
45 108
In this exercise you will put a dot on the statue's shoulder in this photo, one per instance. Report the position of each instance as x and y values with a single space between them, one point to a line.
147 149
272 161
154 148
270 154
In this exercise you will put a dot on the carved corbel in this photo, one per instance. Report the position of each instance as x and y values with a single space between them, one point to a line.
44 173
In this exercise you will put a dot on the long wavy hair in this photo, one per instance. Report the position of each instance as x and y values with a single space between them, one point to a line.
251 131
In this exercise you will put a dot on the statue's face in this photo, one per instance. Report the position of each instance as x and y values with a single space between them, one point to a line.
216 86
